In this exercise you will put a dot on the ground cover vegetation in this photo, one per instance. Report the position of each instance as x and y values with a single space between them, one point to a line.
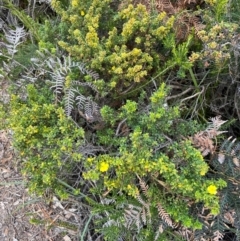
131 108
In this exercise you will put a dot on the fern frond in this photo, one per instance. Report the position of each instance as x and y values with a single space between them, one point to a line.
91 73
144 186
217 235
216 123
80 101
135 215
164 215
92 111
229 149
69 99
218 225
14 38
45 1
159 231
78 83
203 140
58 83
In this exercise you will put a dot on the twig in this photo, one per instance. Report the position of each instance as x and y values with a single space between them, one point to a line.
178 95
192 96
119 126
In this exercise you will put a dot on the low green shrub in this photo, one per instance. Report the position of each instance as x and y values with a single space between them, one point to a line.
46 140
148 163
123 42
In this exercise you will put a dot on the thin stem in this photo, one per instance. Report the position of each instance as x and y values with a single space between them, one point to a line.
86 227
194 79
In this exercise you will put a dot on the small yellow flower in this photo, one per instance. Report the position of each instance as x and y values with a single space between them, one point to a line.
82 13
103 167
212 189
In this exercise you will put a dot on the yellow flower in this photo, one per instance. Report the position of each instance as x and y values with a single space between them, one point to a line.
82 13
212 189
103 167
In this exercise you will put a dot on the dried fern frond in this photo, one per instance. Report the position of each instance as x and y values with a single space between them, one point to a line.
165 216
203 140
135 215
216 123
146 205
144 186
186 233
217 236
166 6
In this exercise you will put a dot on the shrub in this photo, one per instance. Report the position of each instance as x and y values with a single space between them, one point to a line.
148 163
123 42
45 138
149 170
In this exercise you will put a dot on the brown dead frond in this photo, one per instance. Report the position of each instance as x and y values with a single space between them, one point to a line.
203 140
165 216
165 6
185 233
144 186
217 236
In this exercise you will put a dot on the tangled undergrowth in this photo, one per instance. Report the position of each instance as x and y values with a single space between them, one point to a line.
110 107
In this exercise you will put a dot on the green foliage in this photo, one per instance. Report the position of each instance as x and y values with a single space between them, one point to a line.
45 138
126 49
49 33
27 21
220 8
123 136
176 171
